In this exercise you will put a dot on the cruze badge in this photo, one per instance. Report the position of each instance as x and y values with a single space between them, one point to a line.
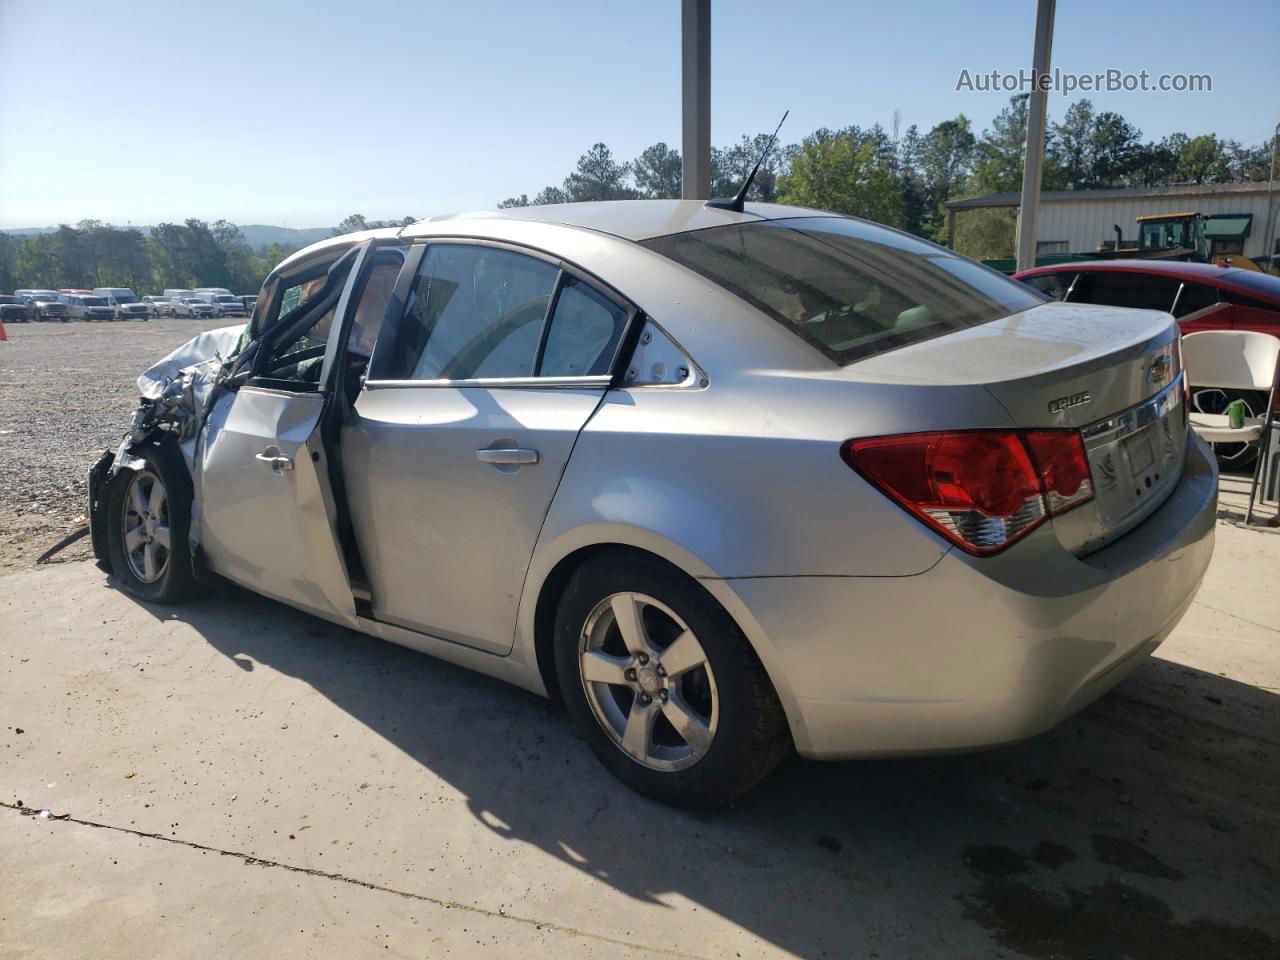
1066 403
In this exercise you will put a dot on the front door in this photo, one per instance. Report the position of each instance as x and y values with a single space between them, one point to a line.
266 516
477 391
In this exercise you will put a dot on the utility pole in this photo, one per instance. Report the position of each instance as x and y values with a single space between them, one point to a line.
1269 234
1033 156
695 60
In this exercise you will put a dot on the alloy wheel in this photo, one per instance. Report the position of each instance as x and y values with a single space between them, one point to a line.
648 681
147 538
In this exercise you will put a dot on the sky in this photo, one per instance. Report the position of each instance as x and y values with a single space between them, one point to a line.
299 113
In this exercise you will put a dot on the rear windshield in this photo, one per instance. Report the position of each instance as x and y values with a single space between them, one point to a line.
1253 280
849 288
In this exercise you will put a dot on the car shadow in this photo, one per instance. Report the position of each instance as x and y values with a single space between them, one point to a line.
1145 826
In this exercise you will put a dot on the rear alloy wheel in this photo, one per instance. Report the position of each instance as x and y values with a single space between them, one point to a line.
663 686
648 683
149 516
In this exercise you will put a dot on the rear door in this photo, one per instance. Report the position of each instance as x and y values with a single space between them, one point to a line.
267 516
488 364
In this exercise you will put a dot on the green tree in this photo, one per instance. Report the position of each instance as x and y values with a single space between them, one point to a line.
845 174
36 262
551 195
598 176
731 166
9 276
351 224
657 172
272 257
1203 159
943 160
998 166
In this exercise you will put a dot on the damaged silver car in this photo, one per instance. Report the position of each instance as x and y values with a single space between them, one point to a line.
726 481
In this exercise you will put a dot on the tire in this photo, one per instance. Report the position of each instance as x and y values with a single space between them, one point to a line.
165 576
743 732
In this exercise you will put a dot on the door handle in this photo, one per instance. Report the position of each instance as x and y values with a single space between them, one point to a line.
507 455
274 460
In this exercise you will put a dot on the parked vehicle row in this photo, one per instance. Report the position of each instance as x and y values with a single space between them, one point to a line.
121 303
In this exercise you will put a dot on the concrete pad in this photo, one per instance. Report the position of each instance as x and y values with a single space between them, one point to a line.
389 802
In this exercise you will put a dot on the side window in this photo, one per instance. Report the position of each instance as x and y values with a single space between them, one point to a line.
584 333
300 356
1123 288
1194 296
473 312
1053 285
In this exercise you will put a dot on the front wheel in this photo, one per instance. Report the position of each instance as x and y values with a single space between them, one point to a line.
663 686
148 521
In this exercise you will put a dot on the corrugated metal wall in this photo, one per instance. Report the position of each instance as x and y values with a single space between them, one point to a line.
1085 224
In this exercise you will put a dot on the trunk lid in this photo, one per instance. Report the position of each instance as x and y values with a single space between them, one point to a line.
1111 372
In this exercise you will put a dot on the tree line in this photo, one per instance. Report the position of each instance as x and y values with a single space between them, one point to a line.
903 178
95 254
899 178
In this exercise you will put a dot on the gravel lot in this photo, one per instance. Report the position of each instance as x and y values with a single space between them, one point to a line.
66 392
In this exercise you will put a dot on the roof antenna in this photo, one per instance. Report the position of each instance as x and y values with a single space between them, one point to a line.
736 202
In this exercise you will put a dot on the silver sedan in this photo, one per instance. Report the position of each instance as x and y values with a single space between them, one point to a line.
727 483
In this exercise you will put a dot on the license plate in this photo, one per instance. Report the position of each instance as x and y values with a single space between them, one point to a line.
1138 450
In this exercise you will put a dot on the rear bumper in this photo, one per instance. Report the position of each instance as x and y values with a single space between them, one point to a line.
979 651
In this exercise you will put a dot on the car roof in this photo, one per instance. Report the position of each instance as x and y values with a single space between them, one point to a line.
627 219
1208 273
633 219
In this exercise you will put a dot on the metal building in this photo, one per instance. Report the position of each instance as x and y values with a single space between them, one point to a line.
1076 221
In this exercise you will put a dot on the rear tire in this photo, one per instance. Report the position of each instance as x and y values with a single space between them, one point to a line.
699 735
148 523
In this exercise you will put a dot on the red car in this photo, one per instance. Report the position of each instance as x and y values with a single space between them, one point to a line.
1201 296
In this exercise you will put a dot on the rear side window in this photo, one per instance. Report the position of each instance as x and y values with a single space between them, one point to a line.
848 288
584 333
1124 288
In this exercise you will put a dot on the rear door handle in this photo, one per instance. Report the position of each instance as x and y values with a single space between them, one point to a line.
516 455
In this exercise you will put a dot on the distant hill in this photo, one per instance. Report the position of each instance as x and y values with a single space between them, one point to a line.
259 235
255 234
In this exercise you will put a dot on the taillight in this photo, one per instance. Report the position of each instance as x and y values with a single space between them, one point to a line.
1063 467
981 489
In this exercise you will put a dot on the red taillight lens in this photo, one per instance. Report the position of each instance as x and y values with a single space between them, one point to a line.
982 489
1063 467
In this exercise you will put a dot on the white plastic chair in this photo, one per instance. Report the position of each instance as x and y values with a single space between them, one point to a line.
1233 360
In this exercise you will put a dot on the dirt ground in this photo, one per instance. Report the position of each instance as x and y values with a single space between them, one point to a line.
233 778
66 392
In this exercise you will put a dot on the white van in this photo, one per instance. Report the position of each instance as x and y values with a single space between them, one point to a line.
124 302
177 293
224 304
82 306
